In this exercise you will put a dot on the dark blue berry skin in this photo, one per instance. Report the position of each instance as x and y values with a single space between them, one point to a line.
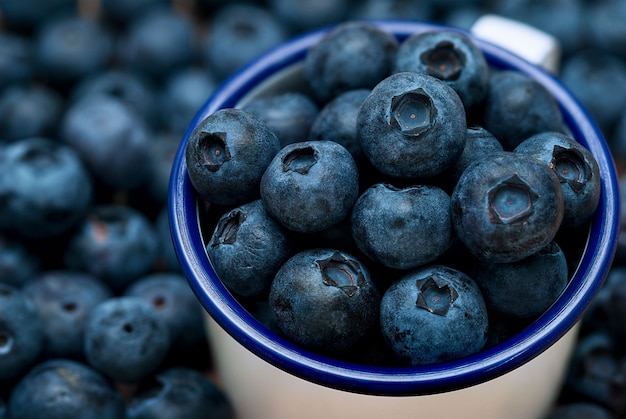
62 388
478 143
30 14
412 125
21 332
160 160
44 188
182 95
72 47
402 227
433 314
393 9
507 206
310 186
3 409
111 139
227 154
614 306
126 339
173 300
362 51
238 33
18 264
19 64
523 289
289 115
580 410
124 12
596 371
179 393
516 107
29 111
576 169
449 56
127 86
324 300
247 248
166 253
115 243
593 76
605 23
336 121
157 43
305 15
63 300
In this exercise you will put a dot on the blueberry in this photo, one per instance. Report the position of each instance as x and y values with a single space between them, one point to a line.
18 66
607 31
289 115
111 139
179 393
412 125
157 43
227 154
173 300
21 332
238 33
247 248
18 263
351 55
166 253
596 372
324 300
433 314
304 15
449 56
126 11
517 106
63 300
29 110
161 156
393 9
507 206
402 227
62 388
478 143
71 47
3 409
116 243
183 94
127 86
45 189
29 15
580 410
593 76
336 121
576 169
310 186
126 339
526 288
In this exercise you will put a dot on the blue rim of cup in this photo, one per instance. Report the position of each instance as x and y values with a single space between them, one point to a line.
490 363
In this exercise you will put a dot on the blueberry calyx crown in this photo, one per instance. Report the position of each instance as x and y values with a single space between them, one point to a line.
300 160
413 112
511 201
227 228
214 150
444 62
435 295
342 272
570 167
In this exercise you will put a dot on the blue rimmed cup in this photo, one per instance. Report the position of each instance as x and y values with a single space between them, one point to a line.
266 376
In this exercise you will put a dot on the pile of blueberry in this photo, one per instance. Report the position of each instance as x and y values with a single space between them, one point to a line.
95 95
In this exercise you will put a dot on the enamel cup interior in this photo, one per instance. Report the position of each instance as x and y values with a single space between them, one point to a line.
280 70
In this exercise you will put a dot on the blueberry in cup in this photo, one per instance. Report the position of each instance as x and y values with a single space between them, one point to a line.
412 125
